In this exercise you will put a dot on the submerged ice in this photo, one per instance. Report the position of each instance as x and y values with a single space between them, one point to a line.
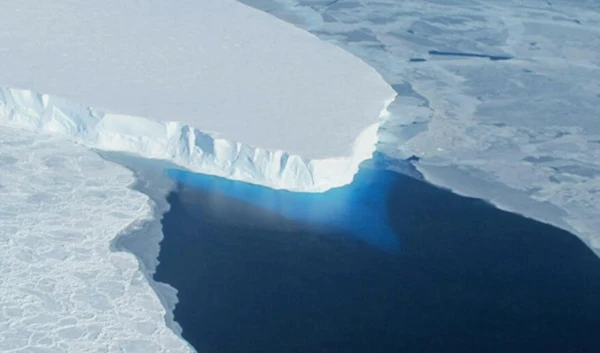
359 210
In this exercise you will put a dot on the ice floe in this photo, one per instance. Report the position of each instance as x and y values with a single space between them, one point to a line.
62 289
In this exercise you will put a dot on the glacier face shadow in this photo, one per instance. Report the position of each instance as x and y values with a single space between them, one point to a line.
358 210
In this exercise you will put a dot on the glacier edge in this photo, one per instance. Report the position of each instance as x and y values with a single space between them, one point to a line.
183 145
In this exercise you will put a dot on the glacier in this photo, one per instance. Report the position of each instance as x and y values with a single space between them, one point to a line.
215 86
521 132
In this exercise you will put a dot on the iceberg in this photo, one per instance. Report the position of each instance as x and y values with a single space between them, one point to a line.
215 86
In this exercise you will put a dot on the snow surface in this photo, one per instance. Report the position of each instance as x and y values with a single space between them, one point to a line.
523 133
62 288
254 98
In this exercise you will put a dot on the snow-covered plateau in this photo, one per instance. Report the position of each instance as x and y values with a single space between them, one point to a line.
497 99
215 86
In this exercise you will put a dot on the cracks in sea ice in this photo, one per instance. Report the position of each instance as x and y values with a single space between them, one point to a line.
62 289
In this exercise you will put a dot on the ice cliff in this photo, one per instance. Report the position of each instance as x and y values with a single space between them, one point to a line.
214 86
182 144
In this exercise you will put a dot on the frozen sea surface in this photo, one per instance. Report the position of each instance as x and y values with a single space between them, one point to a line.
522 132
62 288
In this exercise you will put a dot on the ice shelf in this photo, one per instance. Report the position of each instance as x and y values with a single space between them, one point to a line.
215 86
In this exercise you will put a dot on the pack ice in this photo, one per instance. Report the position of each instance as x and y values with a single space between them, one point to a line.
214 86
62 289
498 99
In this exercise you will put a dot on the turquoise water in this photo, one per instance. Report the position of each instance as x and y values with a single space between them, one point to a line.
358 210
386 264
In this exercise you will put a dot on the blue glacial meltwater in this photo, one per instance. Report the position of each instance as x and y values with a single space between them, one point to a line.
357 210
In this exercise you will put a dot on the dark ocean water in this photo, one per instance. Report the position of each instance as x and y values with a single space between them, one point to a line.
387 264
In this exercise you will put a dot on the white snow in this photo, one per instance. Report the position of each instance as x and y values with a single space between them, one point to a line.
276 105
522 133
62 288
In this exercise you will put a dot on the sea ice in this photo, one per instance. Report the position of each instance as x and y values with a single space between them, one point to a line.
62 289
522 132
254 97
